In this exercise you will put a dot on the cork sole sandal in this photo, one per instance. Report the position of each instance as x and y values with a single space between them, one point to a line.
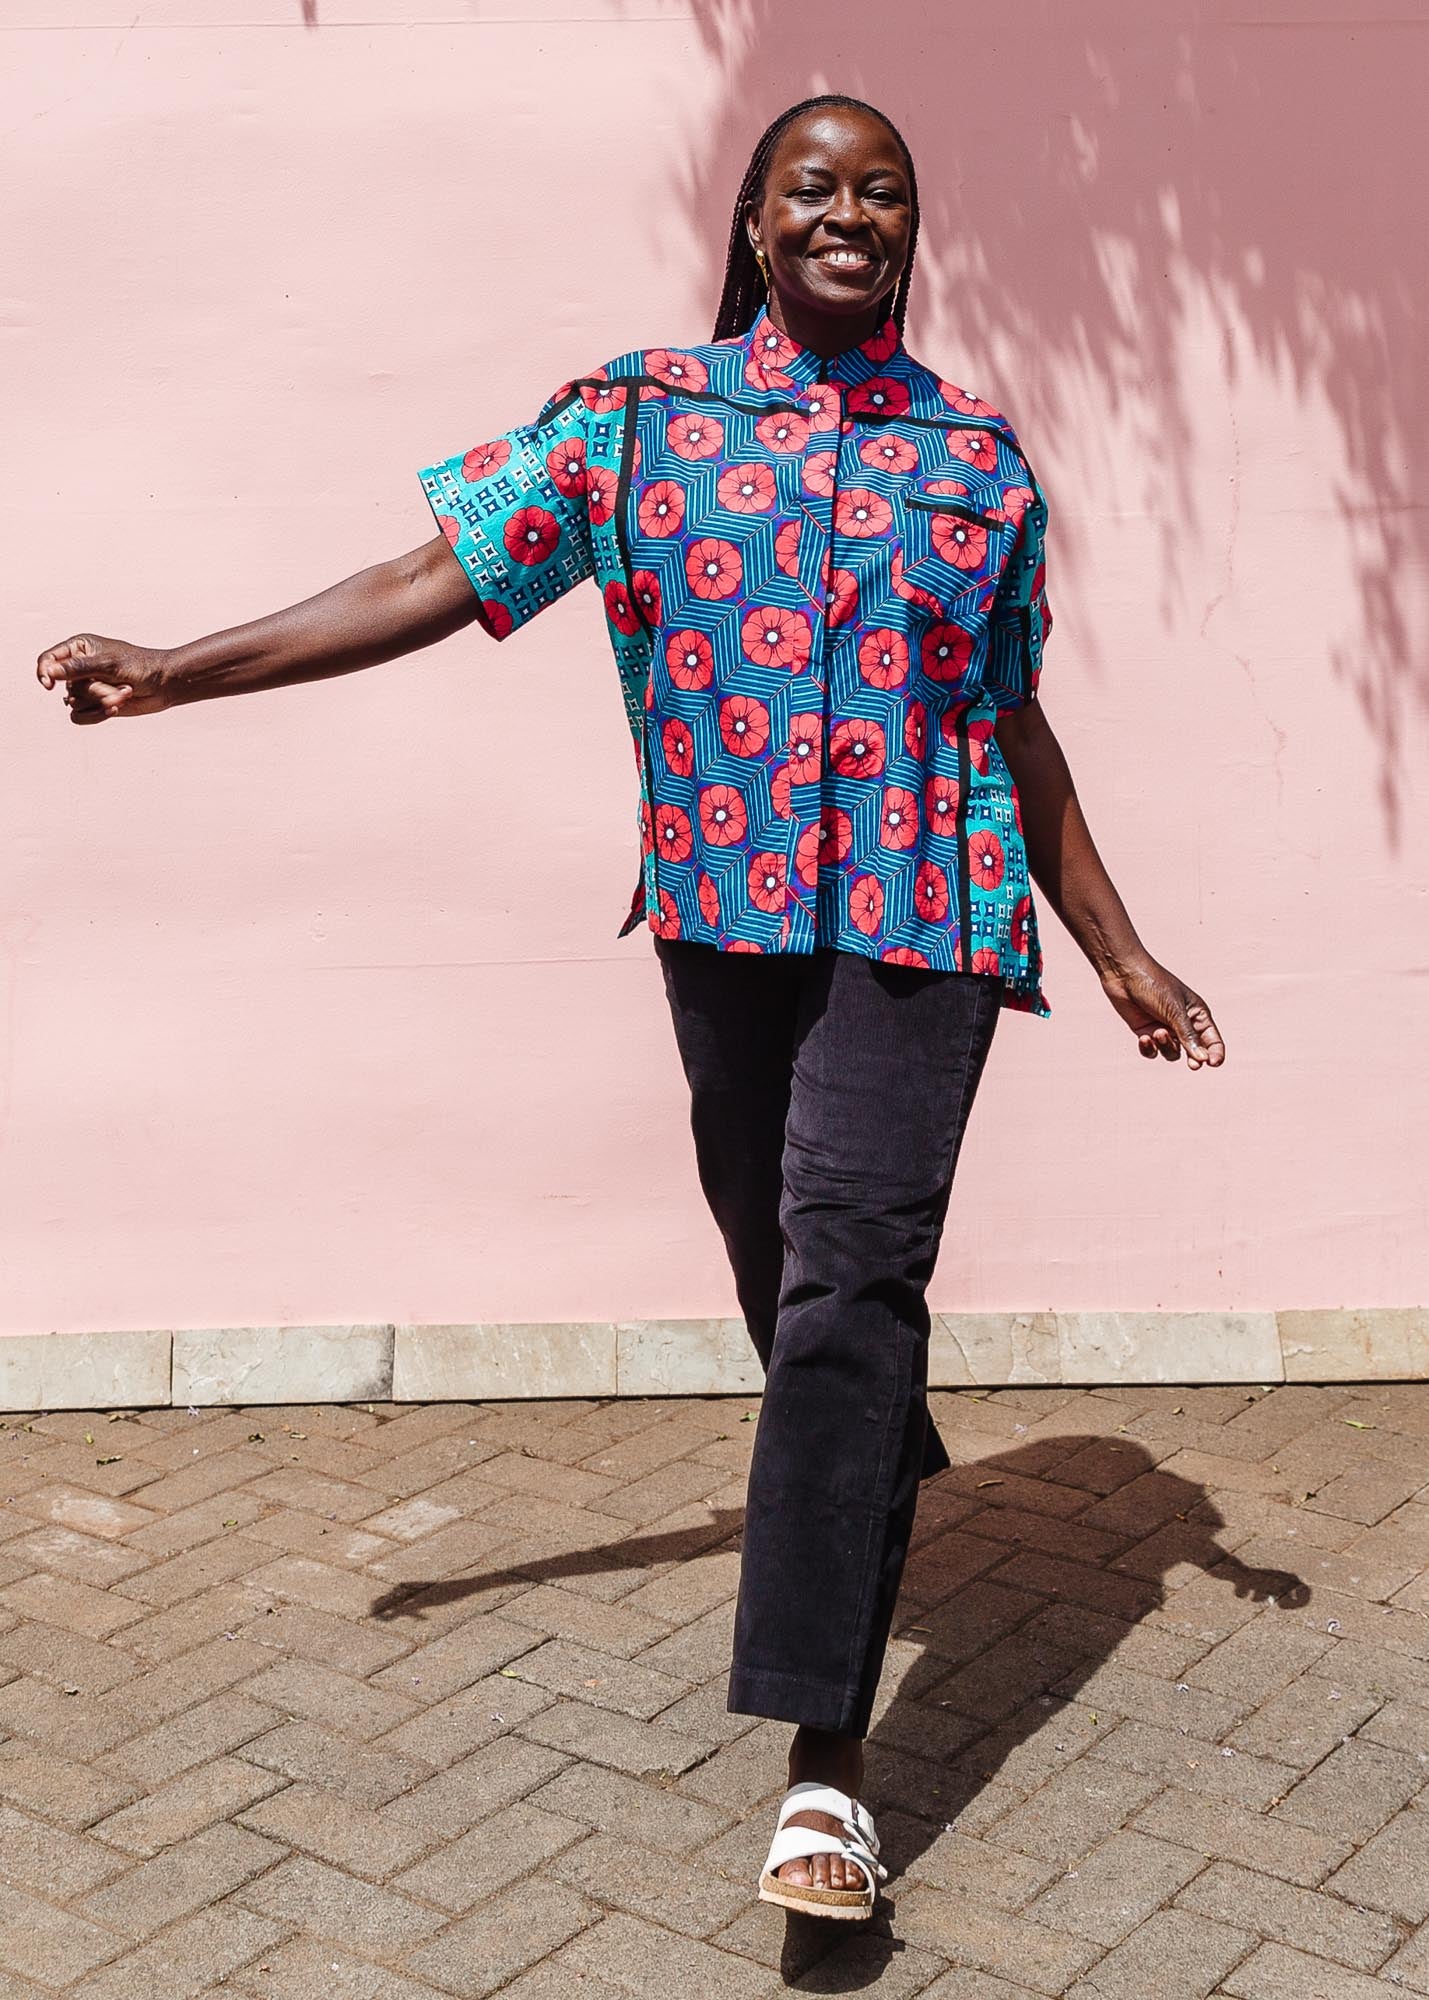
858 1844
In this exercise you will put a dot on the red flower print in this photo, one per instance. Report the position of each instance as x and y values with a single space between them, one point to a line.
619 610
690 658
484 459
786 548
601 394
1022 927
805 735
857 749
883 658
881 346
911 591
835 836
820 472
823 409
601 488
746 489
1017 809
647 594
940 798
977 448
679 748
708 893
774 637
647 828
806 854
889 453
904 954
695 436
724 818
743 725
962 543
843 597
930 892
531 534
677 371
674 836
985 861
979 736
662 508
946 651
667 924
742 944
566 464
1015 502
783 430
865 904
861 513
450 528
772 348
779 786
767 889
713 568
899 827
987 961
966 405
879 396
499 620
915 730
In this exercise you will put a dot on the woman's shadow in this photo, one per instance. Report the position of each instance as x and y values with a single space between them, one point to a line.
1020 1587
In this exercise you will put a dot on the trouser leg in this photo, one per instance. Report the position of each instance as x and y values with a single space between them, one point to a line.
888 1059
736 1019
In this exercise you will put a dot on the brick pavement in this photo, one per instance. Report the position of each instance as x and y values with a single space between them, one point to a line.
389 1703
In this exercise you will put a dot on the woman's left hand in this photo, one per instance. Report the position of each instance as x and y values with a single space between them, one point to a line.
1164 1014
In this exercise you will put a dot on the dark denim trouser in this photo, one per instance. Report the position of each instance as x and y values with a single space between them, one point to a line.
829 1098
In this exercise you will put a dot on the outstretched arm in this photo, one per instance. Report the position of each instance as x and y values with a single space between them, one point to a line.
381 613
1164 1013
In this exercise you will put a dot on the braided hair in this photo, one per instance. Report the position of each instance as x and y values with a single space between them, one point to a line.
745 289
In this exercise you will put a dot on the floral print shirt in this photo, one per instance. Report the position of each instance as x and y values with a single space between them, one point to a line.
823 582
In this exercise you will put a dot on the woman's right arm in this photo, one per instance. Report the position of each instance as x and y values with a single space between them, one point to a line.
379 614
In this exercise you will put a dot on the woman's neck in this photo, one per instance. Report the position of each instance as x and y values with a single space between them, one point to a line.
824 334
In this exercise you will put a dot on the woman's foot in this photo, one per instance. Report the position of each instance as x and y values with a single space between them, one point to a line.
826 1758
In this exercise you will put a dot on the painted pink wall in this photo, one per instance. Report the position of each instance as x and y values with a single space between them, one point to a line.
292 1029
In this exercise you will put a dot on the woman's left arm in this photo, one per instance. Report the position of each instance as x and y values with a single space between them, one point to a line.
1164 1014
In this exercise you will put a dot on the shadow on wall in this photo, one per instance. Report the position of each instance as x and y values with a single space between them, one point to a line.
1102 184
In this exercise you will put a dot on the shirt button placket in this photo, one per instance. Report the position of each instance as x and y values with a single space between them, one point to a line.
819 510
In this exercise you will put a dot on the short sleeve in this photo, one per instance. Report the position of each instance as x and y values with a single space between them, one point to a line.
1021 617
516 514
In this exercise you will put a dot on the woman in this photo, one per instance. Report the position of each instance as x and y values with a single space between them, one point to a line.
823 582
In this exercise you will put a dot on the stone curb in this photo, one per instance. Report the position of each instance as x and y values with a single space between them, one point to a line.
691 1357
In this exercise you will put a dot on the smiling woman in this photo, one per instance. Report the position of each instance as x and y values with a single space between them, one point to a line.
822 573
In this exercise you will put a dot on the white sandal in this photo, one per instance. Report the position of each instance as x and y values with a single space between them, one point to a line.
859 1845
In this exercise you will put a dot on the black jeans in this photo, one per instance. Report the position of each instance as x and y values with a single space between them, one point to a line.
829 1098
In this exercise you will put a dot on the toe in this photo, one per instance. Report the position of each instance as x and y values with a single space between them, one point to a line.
796 1874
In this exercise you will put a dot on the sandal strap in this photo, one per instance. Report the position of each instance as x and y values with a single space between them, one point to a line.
811 1797
798 1843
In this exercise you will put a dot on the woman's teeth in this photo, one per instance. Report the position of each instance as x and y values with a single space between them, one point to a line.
846 259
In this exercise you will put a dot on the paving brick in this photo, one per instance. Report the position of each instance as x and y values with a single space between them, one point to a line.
318 1586
1225 1832
1010 1947
1170 1705
983 1870
1224 1773
1259 1660
409 1520
1055 1536
92 1514
302 1688
450 1730
479 1647
73 1607
677 1891
1276 1910
483 1951
363 1773
202 1568
603 1736
329 1827
210 1730
163 1691
1400 1725
1116 1887
1078 1583
1174 1955
480 1785
642 1960
1353 1792
976 1619
313 1969
332 1641
201 1797
960 1984
78 1724
504 1847
1304 1723
325 1541
1075 1809
328 1903
609 1803
72 1795
164 1635
752 1768
863 1959
195 1956
314 1493
1376 1669
1391 1872
1410 1967
37 1941
690 1589
66 1659
461 1546
585 1675
172 1535
182 1879
53 1863
1276 1973
1366 1493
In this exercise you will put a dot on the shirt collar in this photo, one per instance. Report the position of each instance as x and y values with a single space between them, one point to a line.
777 356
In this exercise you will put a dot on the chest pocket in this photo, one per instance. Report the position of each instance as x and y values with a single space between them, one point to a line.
953 545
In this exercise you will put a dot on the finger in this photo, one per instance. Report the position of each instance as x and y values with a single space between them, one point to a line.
1210 1046
70 660
1146 1045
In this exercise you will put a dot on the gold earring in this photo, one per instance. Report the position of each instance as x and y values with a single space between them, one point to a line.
763 262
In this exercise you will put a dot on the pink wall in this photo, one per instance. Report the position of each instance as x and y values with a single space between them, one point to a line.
293 1032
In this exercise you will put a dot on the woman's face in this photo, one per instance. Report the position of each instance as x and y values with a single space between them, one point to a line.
834 216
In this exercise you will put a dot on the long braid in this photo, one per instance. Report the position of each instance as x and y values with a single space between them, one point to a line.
744 287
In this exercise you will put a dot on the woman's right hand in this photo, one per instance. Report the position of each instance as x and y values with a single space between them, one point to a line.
106 677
